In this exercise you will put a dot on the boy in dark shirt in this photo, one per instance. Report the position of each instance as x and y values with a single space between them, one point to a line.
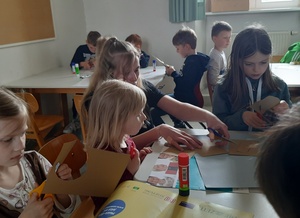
85 54
188 79
136 40
85 57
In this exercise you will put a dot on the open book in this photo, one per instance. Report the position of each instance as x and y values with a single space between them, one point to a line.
137 199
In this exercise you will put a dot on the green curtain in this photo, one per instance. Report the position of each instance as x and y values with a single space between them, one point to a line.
186 10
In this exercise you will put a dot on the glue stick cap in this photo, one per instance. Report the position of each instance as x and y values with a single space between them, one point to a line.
183 159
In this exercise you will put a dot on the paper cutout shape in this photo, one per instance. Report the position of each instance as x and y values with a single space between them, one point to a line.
208 148
243 147
266 104
104 170
206 151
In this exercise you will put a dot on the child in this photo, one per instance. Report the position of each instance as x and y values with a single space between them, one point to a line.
248 79
22 171
278 165
120 60
220 35
85 54
188 79
85 57
136 40
115 113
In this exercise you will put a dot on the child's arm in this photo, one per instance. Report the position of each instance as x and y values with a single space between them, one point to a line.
134 163
85 65
64 172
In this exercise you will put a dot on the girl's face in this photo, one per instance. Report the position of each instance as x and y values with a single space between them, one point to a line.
222 40
12 140
256 65
133 75
134 123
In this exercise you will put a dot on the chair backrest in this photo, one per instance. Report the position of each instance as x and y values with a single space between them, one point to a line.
39 126
77 101
33 104
75 159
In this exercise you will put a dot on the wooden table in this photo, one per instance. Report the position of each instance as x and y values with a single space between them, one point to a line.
290 75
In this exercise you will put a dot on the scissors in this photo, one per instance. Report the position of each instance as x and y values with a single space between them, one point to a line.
160 61
39 191
216 133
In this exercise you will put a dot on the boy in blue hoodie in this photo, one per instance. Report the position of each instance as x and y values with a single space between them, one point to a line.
188 78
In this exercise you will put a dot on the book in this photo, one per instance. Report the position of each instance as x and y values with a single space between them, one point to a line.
138 199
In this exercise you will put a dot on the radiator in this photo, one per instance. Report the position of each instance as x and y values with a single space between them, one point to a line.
280 42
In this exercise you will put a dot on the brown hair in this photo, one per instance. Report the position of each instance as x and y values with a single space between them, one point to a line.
184 36
278 164
92 37
134 39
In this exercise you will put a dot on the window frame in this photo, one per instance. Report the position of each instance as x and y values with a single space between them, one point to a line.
259 4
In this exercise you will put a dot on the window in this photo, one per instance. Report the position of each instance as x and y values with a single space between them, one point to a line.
264 4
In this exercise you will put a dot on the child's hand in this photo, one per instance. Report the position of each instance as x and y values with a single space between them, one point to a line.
85 65
64 172
144 151
281 107
169 70
253 120
134 163
38 208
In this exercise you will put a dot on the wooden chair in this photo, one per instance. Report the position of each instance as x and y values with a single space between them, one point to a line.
75 159
40 125
77 101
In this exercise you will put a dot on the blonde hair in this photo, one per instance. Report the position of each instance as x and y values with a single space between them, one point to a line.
114 60
112 102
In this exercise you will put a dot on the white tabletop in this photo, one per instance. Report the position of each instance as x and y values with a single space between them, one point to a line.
63 78
288 72
253 202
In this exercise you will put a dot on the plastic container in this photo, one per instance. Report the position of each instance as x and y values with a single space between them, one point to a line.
77 70
183 166
154 65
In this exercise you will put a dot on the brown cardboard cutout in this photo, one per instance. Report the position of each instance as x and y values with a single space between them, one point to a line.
104 170
266 104
243 147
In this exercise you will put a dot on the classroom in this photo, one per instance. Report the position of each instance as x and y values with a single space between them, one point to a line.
73 19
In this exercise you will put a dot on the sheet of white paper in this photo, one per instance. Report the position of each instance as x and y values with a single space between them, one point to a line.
227 171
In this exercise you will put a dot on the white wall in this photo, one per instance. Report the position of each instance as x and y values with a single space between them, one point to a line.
273 22
149 19
70 30
73 19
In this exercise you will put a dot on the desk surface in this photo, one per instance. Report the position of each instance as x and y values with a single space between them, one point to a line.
62 78
255 203
288 72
